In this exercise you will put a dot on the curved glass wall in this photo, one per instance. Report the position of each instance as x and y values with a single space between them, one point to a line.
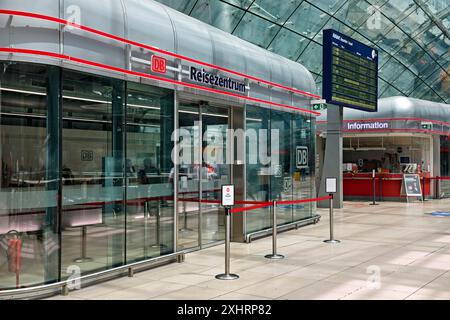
412 36
85 173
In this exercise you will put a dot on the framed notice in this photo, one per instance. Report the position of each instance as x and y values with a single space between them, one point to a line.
228 195
411 185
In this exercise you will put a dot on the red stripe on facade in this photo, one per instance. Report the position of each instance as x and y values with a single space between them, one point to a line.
152 77
151 48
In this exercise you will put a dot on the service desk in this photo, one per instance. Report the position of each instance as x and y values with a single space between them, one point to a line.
359 186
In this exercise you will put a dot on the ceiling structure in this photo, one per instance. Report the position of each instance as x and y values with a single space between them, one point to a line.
412 36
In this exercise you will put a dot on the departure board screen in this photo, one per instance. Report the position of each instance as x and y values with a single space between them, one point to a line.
350 72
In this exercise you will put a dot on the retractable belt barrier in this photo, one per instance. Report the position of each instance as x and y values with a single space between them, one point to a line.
273 204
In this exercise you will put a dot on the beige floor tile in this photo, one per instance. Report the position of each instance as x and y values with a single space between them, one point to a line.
276 287
192 293
239 296
322 290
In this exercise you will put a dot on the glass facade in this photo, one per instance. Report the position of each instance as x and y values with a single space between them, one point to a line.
85 173
87 176
412 37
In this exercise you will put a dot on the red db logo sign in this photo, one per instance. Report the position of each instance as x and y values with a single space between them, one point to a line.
158 64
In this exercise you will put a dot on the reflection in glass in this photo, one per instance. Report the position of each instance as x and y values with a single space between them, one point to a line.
148 169
29 245
93 213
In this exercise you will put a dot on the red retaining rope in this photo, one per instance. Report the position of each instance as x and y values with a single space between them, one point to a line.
268 204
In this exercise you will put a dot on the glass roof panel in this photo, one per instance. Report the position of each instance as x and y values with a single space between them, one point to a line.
288 44
244 4
277 11
414 50
256 30
329 6
218 14
354 13
307 20
311 57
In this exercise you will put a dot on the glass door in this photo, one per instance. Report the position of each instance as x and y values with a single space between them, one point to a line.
215 172
202 169
188 208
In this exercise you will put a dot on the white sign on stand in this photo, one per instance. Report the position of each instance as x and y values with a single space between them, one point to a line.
228 195
331 185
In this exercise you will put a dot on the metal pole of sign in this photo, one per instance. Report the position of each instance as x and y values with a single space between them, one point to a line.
227 275
83 257
373 189
331 240
274 254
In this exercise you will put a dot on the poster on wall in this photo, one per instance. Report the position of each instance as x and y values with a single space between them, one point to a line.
411 185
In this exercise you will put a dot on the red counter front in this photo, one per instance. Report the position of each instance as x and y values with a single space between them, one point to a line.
387 186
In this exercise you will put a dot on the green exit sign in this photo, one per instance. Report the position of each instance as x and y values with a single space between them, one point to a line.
426 125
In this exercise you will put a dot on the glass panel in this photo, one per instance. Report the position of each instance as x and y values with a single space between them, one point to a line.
93 218
215 172
307 20
149 172
329 6
311 57
244 4
354 13
256 30
29 246
303 175
276 11
218 14
258 178
188 177
281 170
288 44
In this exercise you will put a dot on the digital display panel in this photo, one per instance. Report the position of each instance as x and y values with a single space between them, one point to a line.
350 72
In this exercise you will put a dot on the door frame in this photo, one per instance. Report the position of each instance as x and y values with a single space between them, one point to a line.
189 100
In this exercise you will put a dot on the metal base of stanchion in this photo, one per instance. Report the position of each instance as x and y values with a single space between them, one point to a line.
81 260
373 204
225 276
331 241
274 256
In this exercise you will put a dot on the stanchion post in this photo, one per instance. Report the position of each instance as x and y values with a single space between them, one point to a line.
374 192
227 203
331 240
227 275
274 254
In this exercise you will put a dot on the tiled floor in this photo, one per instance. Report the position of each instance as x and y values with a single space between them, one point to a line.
391 251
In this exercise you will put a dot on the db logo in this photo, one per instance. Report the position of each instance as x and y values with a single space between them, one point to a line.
158 64
302 157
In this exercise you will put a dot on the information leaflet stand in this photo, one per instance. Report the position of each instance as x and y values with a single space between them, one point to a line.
227 203
411 187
